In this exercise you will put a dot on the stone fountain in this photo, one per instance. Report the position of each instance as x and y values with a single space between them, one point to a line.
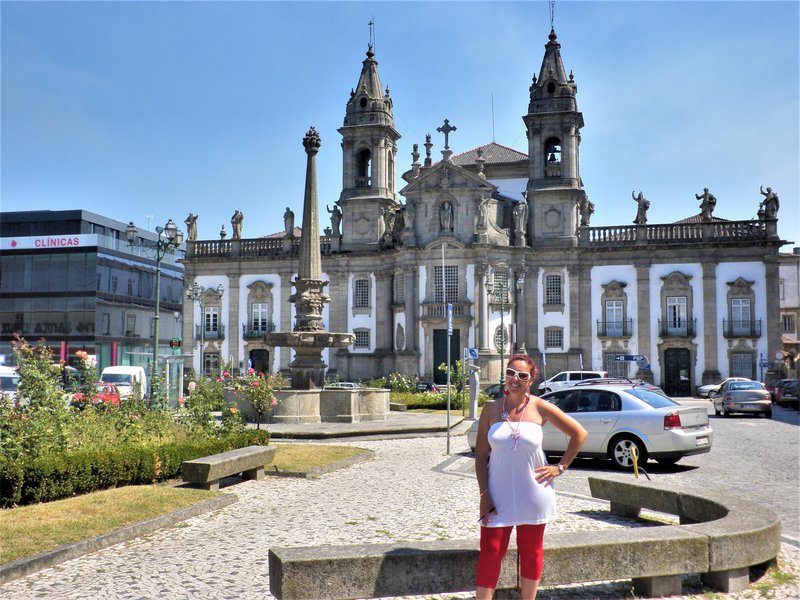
306 401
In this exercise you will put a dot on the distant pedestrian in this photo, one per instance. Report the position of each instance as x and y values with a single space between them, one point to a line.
191 387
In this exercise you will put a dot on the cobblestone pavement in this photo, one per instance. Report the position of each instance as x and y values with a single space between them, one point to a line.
409 492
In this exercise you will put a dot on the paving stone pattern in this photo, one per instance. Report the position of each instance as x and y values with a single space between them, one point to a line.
411 491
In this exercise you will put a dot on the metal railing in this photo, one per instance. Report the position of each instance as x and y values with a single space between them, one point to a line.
256 330
748 328
217 333
677 328
622 328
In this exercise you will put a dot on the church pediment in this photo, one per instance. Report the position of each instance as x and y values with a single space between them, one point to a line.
446 176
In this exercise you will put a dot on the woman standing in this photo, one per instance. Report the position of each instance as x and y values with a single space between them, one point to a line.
514 479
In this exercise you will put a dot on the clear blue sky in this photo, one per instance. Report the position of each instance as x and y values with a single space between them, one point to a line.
131 109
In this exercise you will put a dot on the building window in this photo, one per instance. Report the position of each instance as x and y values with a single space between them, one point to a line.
782 289
501 339
399 289
105 324
130 287
361 293
552 289
130 324
211 320
614 317
676 315
449 291
616 368
740 316
114 282
260 313
500 289
362 338
742 364
210 363
787 324
553 337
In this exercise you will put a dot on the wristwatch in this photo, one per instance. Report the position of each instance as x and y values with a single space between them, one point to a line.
561 468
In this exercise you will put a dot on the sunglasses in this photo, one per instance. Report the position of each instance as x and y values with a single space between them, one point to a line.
521 375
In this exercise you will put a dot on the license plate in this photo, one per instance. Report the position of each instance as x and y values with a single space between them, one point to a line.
701 441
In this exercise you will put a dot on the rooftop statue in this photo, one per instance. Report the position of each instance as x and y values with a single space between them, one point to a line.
641 212
707 205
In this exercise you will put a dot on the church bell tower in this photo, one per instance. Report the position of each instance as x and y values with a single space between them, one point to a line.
369 146
555 189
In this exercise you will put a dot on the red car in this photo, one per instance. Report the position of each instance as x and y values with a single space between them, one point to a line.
105 394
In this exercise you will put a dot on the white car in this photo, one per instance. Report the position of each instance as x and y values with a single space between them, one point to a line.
621 417
711 390
568 378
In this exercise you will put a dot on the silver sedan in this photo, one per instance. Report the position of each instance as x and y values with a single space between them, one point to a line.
743 397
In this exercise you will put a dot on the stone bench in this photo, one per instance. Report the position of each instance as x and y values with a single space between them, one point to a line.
206 472
739 535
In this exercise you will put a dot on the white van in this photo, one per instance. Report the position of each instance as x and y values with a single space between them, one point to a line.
567 379
126 378
9 382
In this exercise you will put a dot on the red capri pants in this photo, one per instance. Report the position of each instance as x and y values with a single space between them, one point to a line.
494 543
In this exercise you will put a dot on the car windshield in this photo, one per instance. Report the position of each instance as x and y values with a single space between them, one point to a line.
9 383
745 385
652 398
124 378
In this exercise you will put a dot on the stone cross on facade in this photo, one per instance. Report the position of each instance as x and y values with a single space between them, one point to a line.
446 129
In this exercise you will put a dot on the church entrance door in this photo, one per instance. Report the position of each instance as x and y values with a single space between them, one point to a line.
440 352
677 374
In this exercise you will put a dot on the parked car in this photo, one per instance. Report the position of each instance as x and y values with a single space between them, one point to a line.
9 382
712 389
428 386
494 391
619 417
567 378
743 397
127 379
104 394
785 393
342 385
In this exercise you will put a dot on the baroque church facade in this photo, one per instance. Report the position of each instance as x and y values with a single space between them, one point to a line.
504 238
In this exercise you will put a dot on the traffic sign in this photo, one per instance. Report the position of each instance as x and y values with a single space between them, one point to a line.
175 343
472 353
449 319
629 357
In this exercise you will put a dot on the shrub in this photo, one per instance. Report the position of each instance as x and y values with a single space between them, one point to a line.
55 476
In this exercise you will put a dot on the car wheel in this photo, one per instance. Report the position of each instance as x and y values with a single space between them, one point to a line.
622 452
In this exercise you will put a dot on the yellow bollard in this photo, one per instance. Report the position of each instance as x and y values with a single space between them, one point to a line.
635 454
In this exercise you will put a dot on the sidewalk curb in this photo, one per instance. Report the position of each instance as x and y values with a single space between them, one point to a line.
26 566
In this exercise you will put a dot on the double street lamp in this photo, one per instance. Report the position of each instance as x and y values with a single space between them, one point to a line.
169 239
501 294
197 293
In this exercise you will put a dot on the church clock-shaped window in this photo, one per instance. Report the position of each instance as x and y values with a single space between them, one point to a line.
363 167
552 157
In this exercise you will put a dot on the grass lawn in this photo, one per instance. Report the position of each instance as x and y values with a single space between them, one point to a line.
30 530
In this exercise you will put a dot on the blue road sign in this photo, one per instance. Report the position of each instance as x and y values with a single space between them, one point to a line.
472 352
449 319
629 357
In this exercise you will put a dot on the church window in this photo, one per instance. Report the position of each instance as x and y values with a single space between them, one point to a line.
551 87
740 316
553 337
553 294
363 166
677 315
399 289
260 316
501 339
362 338
552 157
361 293
363 103
616 368
449 291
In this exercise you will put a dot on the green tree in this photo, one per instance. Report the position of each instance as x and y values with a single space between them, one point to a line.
457 379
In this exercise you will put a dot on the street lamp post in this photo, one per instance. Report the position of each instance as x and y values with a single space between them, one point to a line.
169 239
197 293
501 292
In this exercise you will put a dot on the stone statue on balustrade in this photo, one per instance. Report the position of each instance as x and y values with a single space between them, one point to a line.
288 222
236 224
336 220
586 209
707 204
643 204
770 204
191 227
520 213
